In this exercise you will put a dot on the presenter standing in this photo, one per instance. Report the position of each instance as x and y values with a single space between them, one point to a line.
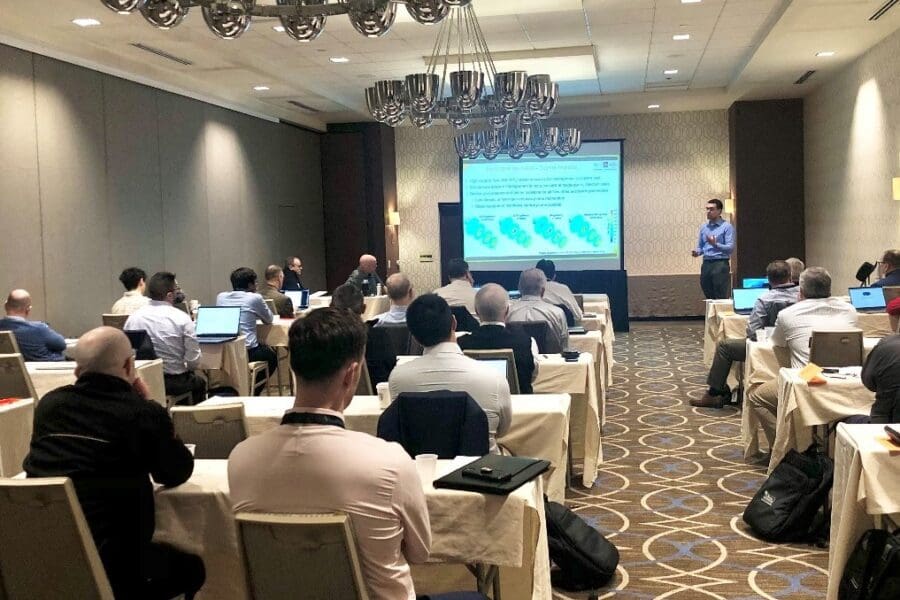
716 243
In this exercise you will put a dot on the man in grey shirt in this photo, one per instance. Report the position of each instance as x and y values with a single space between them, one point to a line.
533 307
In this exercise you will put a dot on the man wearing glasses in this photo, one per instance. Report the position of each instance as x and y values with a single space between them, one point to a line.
293 269
715 245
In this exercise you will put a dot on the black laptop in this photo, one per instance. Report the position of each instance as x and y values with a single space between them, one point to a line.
218 324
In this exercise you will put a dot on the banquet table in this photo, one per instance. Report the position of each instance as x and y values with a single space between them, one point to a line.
16 420
599 304
866 480
375 305
228 363
467 527
539 426
714 309
47 376
593 343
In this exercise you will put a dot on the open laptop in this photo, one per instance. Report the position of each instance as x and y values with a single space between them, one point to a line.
867 299
217 324
755 282
745 298
141 344
300 298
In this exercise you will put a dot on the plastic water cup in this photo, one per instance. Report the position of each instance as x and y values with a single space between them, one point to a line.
384 395
426 465
191 448
762 335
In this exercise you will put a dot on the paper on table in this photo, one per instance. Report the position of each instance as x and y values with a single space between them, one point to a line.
809 372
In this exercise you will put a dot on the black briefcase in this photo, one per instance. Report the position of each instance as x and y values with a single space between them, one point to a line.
494 474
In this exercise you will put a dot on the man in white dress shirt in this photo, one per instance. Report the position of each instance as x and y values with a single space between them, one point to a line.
533 307
459 292
557 293
793 329
400 291
443 366
133 279
172 333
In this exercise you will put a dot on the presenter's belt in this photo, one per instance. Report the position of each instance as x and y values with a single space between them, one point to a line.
716 259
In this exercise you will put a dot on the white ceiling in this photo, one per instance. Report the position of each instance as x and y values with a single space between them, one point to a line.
607 55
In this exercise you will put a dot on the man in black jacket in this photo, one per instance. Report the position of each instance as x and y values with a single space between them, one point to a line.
492 306
105 435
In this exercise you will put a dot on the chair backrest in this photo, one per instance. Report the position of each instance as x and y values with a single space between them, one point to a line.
540 331
445 423
364 387
398 337
284 553
579 298
271 305
46 548
117 321
570 316
464 319
215 430
842 348
14 379
8 344
505 354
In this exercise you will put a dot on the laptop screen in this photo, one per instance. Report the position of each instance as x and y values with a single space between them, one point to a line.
218 320
745 298
756 282
498 364
867 297
300 298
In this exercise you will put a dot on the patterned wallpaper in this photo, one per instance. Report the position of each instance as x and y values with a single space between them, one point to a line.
674 162
851 149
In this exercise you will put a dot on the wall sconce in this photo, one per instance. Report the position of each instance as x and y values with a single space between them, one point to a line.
394 218
728 205
896 186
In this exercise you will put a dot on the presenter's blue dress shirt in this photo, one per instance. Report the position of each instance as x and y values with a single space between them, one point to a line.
724 233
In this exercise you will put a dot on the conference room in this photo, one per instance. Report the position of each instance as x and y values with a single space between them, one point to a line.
608 186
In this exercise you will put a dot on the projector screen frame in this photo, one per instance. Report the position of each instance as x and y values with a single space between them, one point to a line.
621 142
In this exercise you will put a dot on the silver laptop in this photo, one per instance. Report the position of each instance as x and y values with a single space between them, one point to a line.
300 298
218 324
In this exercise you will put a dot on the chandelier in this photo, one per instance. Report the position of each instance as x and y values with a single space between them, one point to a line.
509 107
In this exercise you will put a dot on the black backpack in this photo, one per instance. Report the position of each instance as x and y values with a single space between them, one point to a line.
873 569
585 558
786 506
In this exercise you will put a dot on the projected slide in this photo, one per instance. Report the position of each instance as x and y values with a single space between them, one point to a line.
568 209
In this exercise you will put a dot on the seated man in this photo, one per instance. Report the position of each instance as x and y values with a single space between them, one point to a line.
443 366
889 269
797 267
558 294
172 333
782 293
105 435
532 306
253 307
275 277
459 292
364 278
881 374
400 291
793 329
133 279
293 269
381 356
492 305
312 464
35 339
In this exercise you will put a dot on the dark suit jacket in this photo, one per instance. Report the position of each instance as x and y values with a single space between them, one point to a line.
292 281
495 337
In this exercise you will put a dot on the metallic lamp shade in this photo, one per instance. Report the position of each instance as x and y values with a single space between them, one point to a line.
123 6
164 14
458 120
520 141
509 88
228 19
569 141
300 28
390 97
492 142
457 2
467 145
372 18
422 90
538 93
427 12
466 88
549 106
372 103
420 120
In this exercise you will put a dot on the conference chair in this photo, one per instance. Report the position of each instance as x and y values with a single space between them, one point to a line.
842 348
46 548
570 316
505 354
117 321
270 304
364 387
445 423
257 368
540 331
316 553
14 379
398 337
8 344
464 319
215 430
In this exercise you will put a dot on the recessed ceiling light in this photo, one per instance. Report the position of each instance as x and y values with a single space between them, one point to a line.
339 59
690 1
261 88
652 106
670 72
279 28
825 53
679 37
86 22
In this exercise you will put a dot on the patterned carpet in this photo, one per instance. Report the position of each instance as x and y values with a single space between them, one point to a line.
674 484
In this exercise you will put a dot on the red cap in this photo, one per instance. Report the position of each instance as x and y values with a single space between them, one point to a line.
893 307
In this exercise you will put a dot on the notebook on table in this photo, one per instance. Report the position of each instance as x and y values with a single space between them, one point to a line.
867 299
744 299
218 324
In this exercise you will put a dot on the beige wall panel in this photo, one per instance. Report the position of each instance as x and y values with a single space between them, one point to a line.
133 182
259 141
21 262
73 193
301 162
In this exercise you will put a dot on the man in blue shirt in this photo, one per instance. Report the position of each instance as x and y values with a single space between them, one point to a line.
715 245
35 339
889 269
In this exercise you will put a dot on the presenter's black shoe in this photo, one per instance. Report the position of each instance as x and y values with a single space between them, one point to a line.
711 400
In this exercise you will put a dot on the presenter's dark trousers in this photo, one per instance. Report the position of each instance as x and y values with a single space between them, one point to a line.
715 279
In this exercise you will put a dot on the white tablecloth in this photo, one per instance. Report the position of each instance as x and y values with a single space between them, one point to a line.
466 528
16 421
866 480
599 304
730 325
539 428
228 363
375 305
47 376
711 329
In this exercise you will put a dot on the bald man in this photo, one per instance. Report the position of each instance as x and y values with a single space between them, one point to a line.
35 339
400 291
105 435
364 278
